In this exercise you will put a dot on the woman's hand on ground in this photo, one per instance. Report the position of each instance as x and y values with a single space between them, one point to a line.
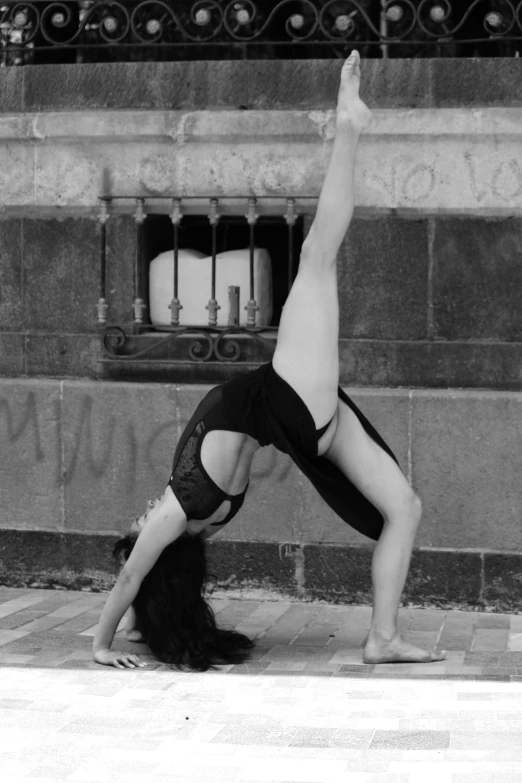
118 659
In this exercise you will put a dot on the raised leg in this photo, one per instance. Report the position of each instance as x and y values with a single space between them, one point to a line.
380 479
307 347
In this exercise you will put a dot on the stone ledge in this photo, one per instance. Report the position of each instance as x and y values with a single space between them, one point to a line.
259 84
432 161
335 574
364 363
205 126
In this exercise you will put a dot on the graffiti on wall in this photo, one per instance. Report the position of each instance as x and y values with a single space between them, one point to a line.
89 443
419 184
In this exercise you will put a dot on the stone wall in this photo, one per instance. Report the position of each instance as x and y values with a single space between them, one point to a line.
428 302
80 459
429 286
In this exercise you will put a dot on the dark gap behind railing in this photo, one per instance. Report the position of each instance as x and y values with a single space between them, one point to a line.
272 227
40 31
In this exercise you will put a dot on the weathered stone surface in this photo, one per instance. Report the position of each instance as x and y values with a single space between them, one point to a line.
184 372
206 127
12 83
274 84
440 364
343 573
143 85
11 296
12 354
383 280
96 452
389 413
263 84
69 174
268 168
338 574
121 254
30 455
503 580
397 171
332 573
274 503
398 83
61 274
17 163
253 565
118 443
444 578
466 466
51 559
418 160
477 278
62 355
477 82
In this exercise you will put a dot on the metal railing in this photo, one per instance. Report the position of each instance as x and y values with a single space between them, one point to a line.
206 341
101 30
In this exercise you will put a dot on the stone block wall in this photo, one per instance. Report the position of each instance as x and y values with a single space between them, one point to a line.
427 302
430 339
80 459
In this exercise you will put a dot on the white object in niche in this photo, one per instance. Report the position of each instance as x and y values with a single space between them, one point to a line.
194 280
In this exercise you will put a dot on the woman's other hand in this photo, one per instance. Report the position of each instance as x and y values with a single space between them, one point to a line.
118 659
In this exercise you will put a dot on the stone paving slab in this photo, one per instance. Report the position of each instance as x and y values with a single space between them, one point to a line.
305 709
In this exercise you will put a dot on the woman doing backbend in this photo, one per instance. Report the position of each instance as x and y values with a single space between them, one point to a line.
294 403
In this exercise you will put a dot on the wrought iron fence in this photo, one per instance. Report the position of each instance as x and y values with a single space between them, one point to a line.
98 30
137 338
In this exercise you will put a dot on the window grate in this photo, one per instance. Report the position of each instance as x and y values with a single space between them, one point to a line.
219 333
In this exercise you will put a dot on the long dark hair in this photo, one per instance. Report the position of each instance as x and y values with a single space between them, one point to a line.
173 614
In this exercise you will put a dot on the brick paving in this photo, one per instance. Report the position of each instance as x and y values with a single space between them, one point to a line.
304 709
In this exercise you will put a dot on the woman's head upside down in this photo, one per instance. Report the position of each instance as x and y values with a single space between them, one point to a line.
173 614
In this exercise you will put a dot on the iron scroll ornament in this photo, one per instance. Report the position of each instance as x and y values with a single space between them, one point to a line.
109 23
209 343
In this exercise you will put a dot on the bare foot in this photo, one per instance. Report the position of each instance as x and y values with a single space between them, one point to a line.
398 651
350 108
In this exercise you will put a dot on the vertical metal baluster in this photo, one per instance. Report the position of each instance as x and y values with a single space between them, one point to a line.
213 306
175 306
251 306
139 305
290 217
103 217
233 305
384 28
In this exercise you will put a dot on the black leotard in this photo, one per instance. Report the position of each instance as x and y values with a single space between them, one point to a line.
198 494
264 406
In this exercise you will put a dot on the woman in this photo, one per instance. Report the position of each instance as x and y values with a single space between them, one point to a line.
294 403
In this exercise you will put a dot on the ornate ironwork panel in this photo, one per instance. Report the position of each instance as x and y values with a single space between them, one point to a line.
140 339
96 30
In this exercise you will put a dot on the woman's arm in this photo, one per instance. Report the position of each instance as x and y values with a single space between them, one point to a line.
132 632
164 527
120 598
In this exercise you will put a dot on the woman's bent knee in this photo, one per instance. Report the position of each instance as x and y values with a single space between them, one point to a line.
414 505
407 511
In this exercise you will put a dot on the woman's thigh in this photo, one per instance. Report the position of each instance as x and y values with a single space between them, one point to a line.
368 466
307 352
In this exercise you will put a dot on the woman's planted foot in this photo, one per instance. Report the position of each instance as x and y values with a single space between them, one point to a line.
395 650
350 108
133 635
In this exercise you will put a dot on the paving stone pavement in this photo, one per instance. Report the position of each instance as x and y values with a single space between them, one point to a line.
303 710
